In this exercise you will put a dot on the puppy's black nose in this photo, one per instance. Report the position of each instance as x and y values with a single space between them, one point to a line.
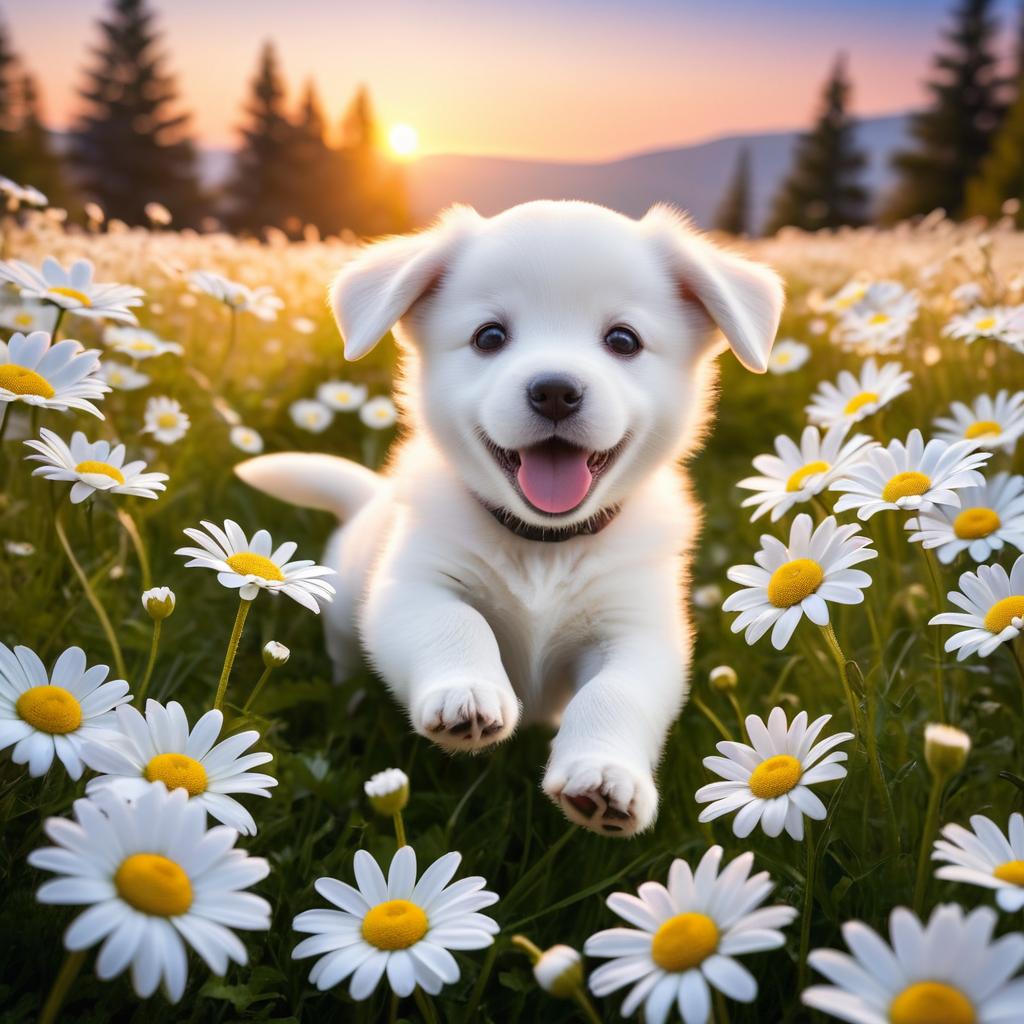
555 397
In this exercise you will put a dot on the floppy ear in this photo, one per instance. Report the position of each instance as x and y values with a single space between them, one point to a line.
375 289
743 298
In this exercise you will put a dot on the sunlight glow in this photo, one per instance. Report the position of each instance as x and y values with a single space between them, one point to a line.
404 140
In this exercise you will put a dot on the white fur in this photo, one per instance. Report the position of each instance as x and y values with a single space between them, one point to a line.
471 626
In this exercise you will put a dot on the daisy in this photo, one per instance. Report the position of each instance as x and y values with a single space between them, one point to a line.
767 782
967 294
165 419
157 214
388 791
949 970
879 320
28 318
849 295
341 395
138 343
379 413
854 398
991 422
1000 323
398 926
983 855
992 610
310 415
250 566
73 290
61 376
303 325
160 748
910 476
122 377
989 517
788 356
795 474
155 881
246 439
17 195
92 466
790 581
261 302
45 713
686 937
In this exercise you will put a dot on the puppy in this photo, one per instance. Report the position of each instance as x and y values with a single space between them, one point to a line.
525 553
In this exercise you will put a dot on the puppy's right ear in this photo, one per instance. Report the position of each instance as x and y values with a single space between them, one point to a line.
374 290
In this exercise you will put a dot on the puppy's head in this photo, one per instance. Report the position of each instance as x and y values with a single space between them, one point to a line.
560 350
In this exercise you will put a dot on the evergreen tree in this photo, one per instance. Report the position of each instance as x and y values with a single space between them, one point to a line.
823 188
314 163
38 164
130 145
8 107
733 214
955 133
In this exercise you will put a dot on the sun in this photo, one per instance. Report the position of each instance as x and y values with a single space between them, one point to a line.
404 140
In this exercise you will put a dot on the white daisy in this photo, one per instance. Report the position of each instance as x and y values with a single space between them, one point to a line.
686 938
155 881
948 971
1000 323
983 855
379 413
854 398
310 415
967 294
910 476
303 325
43 713
138 343
17 195
122 377
992 604
788 356
92 466
878 322
261 302
790 581
61 376
767 782
28 317
849 295
160 748
250 566
795 474
73 290
246 439
388 790
157 214
398 926
991 422
341 395
165 419
989 517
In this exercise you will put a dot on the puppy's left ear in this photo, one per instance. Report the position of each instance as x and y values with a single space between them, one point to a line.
744 299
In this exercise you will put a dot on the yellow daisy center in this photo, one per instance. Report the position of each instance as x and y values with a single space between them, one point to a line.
903 485
395 924
177 771
103 468
931 1002
167 419
141 346
684 941
247 563
782 358
1002 613
796 479
973 523
775 776
983 428
794 581
23 320
71 293
154 885
22 381
877 319
1012 871
986 323
858 402
50 709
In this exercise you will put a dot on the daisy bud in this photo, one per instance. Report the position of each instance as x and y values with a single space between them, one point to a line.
945 749
723 678
708 596
275 654
559 971
158 602
388 791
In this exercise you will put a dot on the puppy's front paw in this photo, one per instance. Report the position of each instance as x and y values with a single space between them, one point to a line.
609 798
466 717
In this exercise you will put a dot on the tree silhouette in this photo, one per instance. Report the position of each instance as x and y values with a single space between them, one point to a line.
37 162
733 214
8 106
314 164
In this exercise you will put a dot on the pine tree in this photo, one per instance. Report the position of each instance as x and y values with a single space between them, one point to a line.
733 214
955 133
9 113
314 163
130 145
38 164
823 188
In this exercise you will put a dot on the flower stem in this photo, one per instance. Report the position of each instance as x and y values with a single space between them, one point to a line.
257 688
1015 654
721 1009
840 659
740 717
710 716
530 948
931 823
805 920
97 605
140 697
135 537
64 980
935 578
875 762
399 828
587 1007
426 1007
229 655
56 324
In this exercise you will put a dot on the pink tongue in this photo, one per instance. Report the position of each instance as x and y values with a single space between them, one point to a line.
555 478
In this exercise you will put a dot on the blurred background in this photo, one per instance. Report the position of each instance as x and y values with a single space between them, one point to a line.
328 116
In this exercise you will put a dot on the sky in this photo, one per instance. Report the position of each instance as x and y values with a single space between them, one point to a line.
549 79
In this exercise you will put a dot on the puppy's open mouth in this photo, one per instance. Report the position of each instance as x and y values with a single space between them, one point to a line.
554 476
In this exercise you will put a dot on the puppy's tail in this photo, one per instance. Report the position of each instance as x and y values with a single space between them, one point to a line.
312 480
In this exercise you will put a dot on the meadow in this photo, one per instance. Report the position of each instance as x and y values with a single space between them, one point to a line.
236 369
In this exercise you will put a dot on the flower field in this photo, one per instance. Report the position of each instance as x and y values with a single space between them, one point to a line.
228 851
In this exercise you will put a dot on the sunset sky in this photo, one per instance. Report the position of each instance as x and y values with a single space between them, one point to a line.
576 79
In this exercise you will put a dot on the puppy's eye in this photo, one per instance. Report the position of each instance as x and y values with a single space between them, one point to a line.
489 338
622 341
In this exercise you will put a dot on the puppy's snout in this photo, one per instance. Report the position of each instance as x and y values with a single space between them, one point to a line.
554 397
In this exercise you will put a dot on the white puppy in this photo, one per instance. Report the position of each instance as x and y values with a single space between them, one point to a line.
525 553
